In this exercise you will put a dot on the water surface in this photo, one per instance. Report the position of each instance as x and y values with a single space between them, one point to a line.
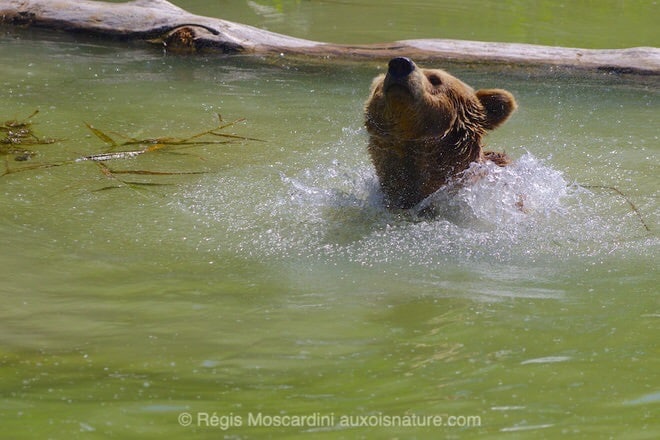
276 284
604 24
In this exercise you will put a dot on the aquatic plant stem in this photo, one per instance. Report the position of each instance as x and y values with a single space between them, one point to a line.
625 197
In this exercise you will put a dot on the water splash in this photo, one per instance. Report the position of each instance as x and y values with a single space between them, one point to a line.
334 212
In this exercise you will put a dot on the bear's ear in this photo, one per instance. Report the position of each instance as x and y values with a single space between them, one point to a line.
499 105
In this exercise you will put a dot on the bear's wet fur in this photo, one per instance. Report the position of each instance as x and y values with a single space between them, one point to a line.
426 127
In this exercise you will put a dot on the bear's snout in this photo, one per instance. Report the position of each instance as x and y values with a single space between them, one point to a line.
400 67
426 127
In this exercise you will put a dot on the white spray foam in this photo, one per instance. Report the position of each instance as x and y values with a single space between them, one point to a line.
334 212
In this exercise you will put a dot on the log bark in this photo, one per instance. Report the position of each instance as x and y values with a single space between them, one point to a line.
161 22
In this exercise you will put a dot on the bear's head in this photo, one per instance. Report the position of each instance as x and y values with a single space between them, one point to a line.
426 126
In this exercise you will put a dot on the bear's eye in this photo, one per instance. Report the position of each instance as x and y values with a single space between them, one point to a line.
435 80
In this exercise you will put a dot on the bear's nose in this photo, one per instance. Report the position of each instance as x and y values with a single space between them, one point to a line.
400 67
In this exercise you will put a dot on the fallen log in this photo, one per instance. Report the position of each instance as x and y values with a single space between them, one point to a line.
160 22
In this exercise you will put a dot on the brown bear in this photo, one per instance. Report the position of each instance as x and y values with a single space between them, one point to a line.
425 128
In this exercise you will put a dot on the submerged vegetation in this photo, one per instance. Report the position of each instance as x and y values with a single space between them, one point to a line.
19 133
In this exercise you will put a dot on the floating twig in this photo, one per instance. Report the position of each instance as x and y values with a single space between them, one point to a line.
625 197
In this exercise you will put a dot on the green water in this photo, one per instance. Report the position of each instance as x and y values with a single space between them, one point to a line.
580 23
275 285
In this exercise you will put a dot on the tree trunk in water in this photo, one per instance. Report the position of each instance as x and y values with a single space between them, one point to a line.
161 22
